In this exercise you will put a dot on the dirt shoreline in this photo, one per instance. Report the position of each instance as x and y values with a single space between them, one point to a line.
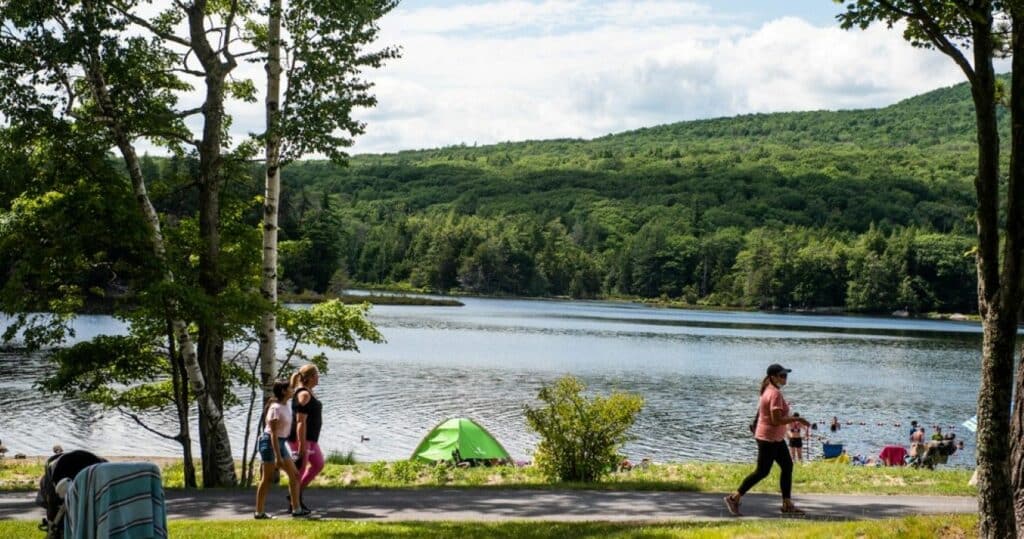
159 461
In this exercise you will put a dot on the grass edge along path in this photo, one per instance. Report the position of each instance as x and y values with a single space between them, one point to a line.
810 478
940 526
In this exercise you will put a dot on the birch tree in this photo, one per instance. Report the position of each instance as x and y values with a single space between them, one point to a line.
52 58
271 199
327 52
119 67
57 232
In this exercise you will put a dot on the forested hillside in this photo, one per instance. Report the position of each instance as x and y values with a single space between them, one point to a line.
870 210
867 209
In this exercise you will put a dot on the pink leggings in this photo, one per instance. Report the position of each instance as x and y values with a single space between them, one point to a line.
313 464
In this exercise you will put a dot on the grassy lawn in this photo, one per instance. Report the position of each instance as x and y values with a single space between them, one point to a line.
931 527
822 478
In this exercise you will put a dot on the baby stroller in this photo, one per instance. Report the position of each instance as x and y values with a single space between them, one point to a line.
934 452
58 467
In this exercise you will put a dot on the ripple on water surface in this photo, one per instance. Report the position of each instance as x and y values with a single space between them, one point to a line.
697 371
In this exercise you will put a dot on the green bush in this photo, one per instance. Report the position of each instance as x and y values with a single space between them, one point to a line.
440 474
379 471
405 471
399 472
580 437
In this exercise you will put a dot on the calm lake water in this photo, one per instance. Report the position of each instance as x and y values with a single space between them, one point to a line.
699 372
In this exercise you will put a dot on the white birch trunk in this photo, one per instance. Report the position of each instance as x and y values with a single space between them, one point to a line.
186 346
268 287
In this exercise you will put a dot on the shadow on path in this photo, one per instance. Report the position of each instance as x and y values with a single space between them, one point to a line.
495 504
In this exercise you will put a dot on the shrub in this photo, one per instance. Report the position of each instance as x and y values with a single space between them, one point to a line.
580 437
379 471
440 474
405 471
400 472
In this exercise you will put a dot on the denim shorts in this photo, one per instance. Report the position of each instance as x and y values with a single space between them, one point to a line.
267 451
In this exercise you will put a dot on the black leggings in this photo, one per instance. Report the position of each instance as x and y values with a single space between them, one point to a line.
767 453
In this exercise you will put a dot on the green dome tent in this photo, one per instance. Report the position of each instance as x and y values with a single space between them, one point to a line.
472 441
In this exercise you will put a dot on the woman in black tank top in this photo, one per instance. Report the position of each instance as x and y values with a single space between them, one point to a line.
305 435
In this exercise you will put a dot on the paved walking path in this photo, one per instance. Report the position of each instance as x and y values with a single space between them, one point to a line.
497 504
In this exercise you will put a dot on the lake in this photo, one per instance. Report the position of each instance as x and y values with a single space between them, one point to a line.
698 371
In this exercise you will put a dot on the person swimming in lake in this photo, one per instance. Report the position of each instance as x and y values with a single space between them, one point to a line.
834 426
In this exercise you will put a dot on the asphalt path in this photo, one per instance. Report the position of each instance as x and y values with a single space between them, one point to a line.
508 504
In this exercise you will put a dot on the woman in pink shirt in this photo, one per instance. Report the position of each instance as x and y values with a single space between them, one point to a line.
772 418
273 448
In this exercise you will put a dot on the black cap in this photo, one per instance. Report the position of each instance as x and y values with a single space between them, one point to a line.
775 369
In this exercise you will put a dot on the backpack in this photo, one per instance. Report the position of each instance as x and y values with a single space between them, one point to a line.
753 424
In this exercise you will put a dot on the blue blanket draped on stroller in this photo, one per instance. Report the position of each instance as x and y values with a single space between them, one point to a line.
116 501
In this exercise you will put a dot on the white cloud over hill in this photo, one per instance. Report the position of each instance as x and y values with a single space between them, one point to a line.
512 70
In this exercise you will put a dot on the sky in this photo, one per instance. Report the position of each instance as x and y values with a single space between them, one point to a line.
487 71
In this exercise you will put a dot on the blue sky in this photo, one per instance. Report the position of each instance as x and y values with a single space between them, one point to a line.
486 71
817 11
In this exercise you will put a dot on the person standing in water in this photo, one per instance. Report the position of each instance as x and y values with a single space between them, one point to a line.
917 443
772 418
305 433
795 433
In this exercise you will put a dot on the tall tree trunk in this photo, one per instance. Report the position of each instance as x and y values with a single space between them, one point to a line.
218 462
248 461
179 328
1013 257
268 322
215 445
181 404
995 495
208 407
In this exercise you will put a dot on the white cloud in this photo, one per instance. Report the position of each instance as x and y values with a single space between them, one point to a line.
503 16
515 69
788 64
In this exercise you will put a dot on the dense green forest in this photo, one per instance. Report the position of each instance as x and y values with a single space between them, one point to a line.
868 210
